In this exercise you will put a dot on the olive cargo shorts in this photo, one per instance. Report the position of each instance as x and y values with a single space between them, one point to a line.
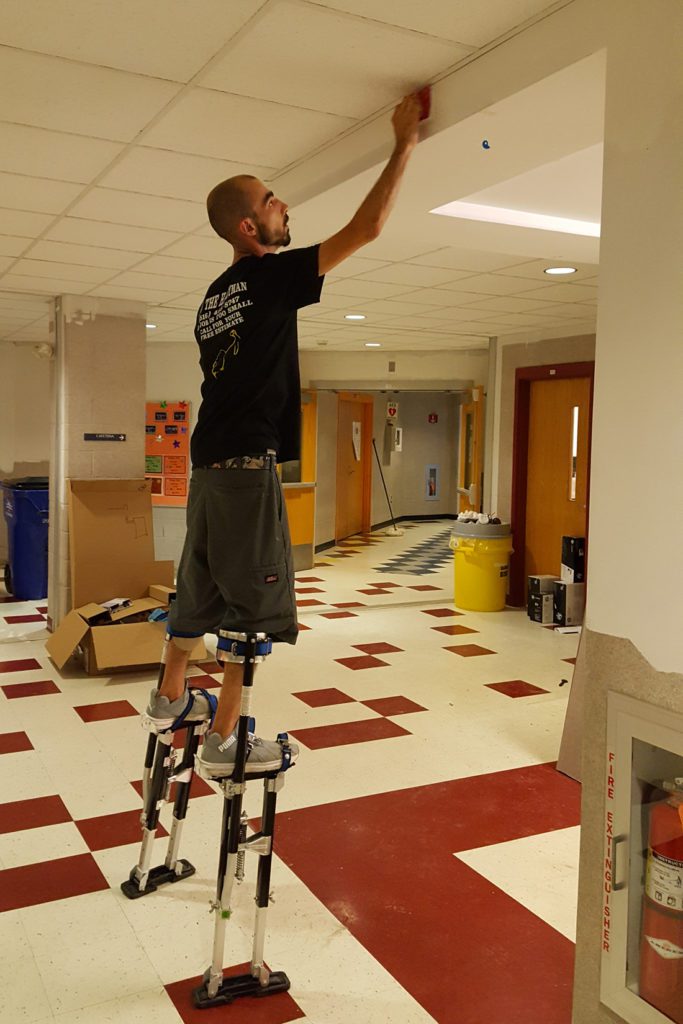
236 571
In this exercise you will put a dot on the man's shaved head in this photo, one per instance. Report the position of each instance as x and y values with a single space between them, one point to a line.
228 204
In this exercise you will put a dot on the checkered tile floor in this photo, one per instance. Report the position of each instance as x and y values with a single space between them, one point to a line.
421 826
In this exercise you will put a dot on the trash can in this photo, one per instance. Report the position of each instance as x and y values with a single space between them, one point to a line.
26 509
481 555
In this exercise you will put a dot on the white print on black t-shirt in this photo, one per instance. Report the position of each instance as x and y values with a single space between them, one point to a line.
219 361
220 312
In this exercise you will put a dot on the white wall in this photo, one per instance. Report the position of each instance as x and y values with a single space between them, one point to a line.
24 418
636 559
372 366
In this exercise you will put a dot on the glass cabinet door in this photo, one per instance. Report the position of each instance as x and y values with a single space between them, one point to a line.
642 976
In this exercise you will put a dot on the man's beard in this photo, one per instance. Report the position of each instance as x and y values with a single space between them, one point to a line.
280 239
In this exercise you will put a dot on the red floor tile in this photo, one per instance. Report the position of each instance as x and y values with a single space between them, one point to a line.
24 618
366 661
385 585
570 661
309 579
36 813
43 609
106 710
389 706
212 667
37 689
338 615
60 879
308 590
491 940
324 736
349 604
320 565
425 586
109 830
440 612
374 593
198 787
323 698
14 742
308 603
20 665
302 627
454 630
277 1009
206 682
379 648
469 650
516 688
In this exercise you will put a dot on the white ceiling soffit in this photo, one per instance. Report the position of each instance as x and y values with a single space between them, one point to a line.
112 130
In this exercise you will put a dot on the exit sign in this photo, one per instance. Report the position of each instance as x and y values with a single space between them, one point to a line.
433 417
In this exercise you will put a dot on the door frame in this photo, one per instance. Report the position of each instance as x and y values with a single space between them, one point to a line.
524 376
368 403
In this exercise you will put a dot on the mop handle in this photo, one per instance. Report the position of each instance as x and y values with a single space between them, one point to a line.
391 511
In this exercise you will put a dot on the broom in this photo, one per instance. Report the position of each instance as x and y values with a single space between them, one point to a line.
393 530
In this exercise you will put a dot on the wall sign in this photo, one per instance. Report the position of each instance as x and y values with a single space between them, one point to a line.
392 410
104 437
167 451
433 417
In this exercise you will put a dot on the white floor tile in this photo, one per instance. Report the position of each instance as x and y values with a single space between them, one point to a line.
37 845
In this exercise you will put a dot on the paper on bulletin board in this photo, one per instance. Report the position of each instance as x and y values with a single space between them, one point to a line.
167 451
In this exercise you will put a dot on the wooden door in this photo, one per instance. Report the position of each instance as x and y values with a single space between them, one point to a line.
557 473
470 454
354 465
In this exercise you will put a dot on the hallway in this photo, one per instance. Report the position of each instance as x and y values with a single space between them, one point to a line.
427 850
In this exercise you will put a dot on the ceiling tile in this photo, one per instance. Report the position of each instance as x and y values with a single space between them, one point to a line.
492 284
262 134
562 292
354 265
474 260
441 297
65 271
5 262
505 304
8 300
38 194
140 294
534 270
18 222
176 175
53 93
170 40
49 285
191 301
110 236
198 270
90 255
356 288
160 282
565 309
394 307
13 245
469 21
197 247
56 155
147 211
417 276
327 61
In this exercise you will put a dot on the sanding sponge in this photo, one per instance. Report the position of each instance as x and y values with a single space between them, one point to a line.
425 98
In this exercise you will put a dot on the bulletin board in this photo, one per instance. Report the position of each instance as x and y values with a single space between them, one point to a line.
167 451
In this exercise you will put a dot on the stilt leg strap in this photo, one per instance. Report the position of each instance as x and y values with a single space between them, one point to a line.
211 700
236 647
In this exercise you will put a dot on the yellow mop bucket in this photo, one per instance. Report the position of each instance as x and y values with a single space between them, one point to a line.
481 565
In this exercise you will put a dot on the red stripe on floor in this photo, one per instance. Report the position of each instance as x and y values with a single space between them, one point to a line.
12 619
109 830
37 813
108 709
21 665
14 742
349 732
276 1009
357 855
37 689
60 879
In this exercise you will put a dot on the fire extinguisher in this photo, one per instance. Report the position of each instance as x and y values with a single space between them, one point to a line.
661 947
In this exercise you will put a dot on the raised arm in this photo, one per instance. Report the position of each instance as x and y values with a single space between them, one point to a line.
369 218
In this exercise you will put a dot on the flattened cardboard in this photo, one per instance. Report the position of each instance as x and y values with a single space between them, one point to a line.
163 594
94 614
61 644
141 604
124 647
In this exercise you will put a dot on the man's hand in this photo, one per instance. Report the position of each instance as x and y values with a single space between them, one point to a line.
406 120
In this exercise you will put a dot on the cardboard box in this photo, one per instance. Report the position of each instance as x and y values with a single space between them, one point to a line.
569 600
542 584
111 545
573 568
540 608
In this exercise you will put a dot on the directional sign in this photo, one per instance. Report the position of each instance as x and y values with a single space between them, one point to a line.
104 437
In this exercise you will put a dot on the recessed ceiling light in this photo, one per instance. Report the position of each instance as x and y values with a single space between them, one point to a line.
560 270
373 344
518 218
151 326
354 316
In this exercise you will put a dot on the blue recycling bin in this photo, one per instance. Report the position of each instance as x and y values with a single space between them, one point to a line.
26 508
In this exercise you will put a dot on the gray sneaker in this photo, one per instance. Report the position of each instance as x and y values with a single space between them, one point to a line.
216 758
161 713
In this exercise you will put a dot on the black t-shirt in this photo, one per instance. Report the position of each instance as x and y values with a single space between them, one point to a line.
247 337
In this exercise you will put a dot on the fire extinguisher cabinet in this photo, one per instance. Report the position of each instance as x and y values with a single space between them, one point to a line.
642 939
